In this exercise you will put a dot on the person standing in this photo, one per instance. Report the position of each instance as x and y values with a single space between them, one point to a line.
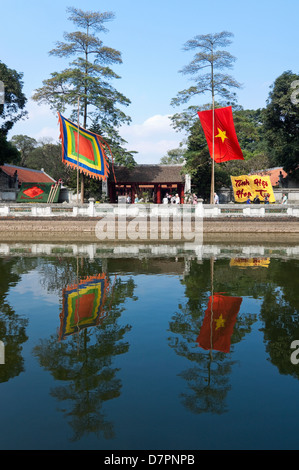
216 198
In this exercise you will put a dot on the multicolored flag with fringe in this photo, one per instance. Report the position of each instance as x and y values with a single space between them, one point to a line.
83 150
83 305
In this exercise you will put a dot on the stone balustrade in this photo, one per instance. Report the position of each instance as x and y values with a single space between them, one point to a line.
92 209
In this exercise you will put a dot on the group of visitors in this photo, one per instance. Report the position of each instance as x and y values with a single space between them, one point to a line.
171 199
257 200
191 199
266 199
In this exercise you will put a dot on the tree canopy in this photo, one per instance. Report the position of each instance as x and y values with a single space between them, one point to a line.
12 109
209 54
281 123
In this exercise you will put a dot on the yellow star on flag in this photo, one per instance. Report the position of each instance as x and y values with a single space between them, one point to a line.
220 322
222 135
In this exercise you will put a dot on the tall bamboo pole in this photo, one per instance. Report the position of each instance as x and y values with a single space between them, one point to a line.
78 137
213 141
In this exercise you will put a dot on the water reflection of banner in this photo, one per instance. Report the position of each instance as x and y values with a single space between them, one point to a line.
83 305
251 262
218 324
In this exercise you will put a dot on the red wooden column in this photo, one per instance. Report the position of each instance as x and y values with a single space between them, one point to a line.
181 193
158 194
134 191
111 192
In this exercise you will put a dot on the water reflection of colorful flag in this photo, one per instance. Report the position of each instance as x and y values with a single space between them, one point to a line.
83 305
218 324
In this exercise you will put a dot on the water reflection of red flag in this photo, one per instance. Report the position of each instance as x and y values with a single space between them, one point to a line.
218 324
83 305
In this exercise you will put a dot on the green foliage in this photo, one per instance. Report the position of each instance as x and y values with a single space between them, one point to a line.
8 153
14 99
174 157
25 146
47 155
11 111
281 123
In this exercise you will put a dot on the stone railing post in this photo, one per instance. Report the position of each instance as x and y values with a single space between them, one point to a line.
91 209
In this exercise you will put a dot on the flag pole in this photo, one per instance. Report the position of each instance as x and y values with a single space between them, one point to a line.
213 152
212 306
213 141
78 149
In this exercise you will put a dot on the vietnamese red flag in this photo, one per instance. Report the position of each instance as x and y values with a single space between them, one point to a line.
226 145
218 324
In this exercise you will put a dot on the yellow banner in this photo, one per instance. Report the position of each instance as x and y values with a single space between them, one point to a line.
248 187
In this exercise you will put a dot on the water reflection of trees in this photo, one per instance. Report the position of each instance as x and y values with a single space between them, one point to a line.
12 326
208 380
280 314
83 364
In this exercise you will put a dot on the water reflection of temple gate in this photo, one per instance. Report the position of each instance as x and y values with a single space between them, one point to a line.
155 180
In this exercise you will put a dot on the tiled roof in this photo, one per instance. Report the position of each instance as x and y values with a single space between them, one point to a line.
148 174
26 175
274 174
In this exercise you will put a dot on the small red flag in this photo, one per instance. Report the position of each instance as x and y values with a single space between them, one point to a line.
226 142
219 321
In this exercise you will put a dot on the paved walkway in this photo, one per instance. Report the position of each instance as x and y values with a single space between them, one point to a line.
83 229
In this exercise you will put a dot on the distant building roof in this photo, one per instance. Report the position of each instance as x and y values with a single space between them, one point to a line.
27 175
148 174
273 173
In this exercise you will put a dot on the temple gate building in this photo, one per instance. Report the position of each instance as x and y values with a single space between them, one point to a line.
154 180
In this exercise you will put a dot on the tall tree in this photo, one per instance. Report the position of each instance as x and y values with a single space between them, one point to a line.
281 123
88 76
210 56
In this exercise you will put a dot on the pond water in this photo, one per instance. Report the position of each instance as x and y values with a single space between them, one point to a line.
140 348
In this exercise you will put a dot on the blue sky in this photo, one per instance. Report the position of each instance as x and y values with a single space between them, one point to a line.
150 36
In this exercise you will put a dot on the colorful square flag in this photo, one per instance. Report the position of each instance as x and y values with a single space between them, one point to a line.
83 149
226 145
